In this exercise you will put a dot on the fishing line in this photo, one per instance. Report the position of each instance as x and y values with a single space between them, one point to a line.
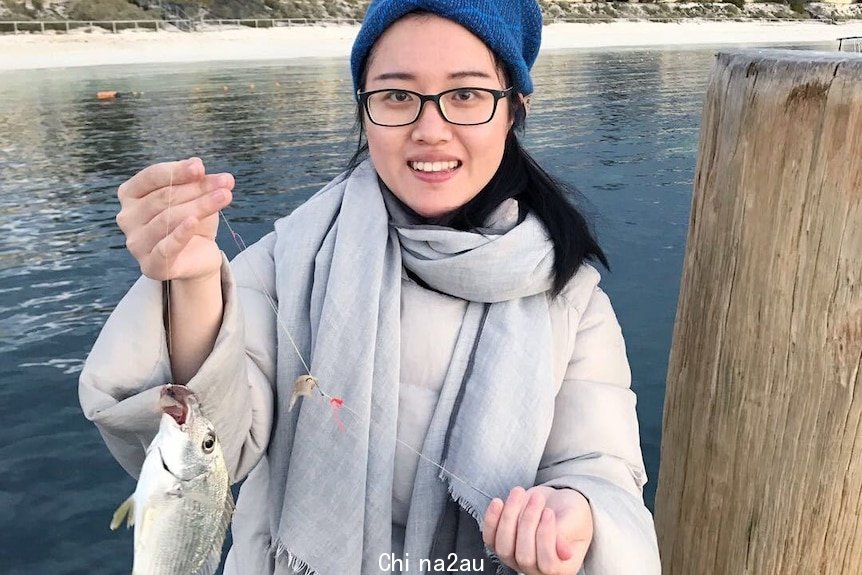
168 268
335 402
242 247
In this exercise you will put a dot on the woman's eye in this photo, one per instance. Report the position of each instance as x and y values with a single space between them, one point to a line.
464 95
399 97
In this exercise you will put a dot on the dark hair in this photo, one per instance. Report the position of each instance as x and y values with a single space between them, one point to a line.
521 177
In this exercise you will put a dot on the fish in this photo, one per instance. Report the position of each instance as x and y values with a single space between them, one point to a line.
182 504
302 387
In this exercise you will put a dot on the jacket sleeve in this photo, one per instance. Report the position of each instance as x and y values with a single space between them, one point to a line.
119 385
594 444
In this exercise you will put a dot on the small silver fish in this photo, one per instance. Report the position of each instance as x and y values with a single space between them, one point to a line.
182 504
303 386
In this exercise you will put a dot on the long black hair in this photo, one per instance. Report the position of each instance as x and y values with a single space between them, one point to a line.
521 177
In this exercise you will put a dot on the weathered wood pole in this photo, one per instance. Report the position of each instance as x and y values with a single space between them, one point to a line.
761 465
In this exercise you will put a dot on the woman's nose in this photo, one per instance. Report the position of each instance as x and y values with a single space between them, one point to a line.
431 127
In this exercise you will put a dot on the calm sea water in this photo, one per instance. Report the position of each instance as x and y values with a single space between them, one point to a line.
622 125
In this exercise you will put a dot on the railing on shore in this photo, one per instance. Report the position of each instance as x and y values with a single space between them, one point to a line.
20 26
853 43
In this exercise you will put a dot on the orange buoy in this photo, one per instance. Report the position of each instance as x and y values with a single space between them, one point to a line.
107 95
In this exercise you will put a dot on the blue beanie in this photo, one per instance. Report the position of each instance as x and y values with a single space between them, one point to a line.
511 28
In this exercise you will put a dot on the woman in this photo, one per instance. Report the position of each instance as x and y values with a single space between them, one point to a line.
440 289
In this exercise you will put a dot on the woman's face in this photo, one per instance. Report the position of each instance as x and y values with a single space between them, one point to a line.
429 54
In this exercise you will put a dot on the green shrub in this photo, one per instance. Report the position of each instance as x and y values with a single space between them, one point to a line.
107 10
17 10
798 6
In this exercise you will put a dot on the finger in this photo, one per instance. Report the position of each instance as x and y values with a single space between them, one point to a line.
146 208
159 262
143 240
200 208
504 540
575 529
159 176
577 552
525 541
139 211
564 549
546 543
492 518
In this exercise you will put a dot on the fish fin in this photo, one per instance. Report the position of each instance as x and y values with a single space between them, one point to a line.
229 508
213 560
226 516
126 511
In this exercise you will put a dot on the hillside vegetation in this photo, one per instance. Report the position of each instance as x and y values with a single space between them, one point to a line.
328 9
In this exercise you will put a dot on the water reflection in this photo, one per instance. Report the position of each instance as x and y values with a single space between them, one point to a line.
104 131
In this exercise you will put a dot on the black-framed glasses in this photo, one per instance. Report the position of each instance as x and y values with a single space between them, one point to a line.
392 107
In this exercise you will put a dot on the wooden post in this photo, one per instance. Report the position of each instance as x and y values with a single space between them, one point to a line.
761 465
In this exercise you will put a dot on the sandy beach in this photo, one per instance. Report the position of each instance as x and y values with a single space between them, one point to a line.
32 51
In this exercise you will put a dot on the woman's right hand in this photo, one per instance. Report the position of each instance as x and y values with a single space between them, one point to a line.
169 214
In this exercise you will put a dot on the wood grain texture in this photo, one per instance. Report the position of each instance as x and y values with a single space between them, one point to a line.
761 466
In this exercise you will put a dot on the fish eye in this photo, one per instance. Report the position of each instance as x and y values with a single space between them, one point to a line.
208 443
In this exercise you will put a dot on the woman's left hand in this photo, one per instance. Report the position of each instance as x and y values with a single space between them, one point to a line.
540 531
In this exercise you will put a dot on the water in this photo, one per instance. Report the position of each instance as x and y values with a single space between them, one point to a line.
621 125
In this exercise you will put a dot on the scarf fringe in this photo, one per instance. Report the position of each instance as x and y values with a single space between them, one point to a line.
462 502
501 568
296 564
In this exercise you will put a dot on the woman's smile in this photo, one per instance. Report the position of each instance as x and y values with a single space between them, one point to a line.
434 171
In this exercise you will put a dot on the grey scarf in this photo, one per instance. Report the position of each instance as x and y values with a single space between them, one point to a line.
339 279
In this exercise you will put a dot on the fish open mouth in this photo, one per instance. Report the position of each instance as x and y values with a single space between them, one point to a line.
174 401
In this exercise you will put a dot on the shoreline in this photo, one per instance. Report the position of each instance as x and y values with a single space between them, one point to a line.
76 49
